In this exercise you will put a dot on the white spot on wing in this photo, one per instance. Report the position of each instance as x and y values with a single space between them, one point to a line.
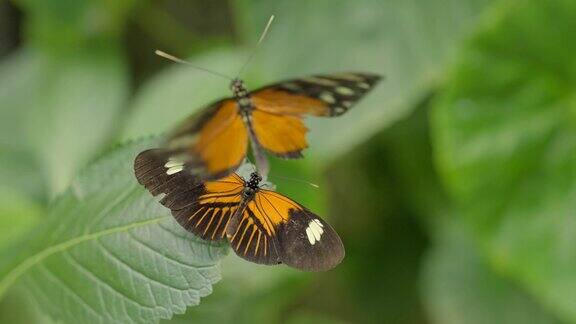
314 231
311 237
320 81
344 91
174 165
364 85
339 110
348 76
174 169
327 97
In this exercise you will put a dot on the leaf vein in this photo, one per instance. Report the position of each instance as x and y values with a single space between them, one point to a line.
129 268
28 263
50 274
168 257
106 284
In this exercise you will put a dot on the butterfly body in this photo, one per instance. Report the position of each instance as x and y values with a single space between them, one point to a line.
270 119
242 97
248 194
261 225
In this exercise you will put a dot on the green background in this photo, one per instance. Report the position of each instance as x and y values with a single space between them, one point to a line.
452 184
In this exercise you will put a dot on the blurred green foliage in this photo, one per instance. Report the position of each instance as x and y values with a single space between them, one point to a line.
507 135
452 184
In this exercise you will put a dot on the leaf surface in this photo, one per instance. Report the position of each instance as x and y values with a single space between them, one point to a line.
109 252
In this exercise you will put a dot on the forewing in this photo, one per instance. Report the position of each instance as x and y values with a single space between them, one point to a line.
214 142
319 95
294 235
203 208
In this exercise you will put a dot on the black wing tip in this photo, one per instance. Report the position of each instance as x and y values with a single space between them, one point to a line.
378 78
307 253
146 161
372 78
153 154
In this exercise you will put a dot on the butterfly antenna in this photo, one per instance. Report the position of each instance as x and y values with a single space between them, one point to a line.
262 36
181 61
311 184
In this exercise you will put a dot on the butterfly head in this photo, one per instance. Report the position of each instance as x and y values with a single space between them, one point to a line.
238 88
254 181
252 186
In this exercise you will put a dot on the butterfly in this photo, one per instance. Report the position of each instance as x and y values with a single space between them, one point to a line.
261 225
215 142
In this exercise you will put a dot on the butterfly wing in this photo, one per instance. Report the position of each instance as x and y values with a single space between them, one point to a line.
269 229
203 208
275 229
281 135
318 95
251 240
215 142
277 117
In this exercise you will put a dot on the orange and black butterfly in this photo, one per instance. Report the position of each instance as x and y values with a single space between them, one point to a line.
216 142
261 225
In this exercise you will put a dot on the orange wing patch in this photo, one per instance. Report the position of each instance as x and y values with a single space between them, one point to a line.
282 102
212 143
272 209
282 135
221 187
206 210
256 236
223 141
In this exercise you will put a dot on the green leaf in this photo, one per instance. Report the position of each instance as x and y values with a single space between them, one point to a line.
458 287
68 110
66 25
20 77
109 252
505 139
409 42
18 214
379 193
58 111
17 308
21 172
251 293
